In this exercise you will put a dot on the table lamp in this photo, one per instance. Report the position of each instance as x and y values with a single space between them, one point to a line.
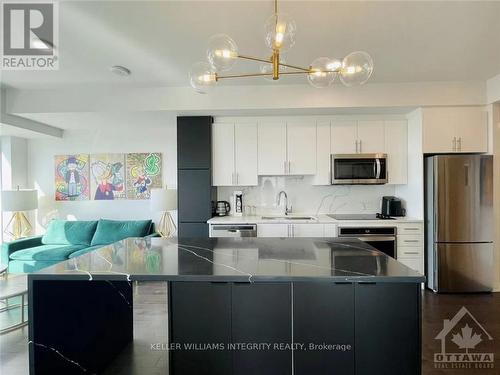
164 200
18 201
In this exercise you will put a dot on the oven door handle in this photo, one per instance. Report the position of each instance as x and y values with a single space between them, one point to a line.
376 238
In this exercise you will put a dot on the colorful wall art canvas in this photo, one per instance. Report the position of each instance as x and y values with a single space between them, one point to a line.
144 172
72 177
107 176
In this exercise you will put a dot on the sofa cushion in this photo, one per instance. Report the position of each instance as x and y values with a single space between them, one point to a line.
84 251
109 231
63 232
46 252
29 266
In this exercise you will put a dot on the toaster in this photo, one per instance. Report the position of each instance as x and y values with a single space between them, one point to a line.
392 206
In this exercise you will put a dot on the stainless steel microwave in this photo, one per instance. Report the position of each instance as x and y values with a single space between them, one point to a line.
358 169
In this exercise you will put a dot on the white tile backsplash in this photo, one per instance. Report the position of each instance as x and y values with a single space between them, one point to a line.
307 198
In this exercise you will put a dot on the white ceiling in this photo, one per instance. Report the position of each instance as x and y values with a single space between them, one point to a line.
159 40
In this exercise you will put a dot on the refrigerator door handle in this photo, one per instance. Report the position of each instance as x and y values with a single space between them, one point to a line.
466 174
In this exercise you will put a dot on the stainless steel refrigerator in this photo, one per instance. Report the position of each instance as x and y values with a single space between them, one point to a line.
459 222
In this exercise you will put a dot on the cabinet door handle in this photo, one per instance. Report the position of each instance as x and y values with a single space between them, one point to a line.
284 167
237 178
356 146
289 167
411 241
412 252
360 146
454 143
411 228
459 143
232 178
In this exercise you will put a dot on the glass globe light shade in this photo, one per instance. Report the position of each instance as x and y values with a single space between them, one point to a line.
357 67
322 75
202 77
280 32
222 52
268 69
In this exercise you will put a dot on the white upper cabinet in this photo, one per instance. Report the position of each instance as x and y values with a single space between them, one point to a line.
323 152
454 129
287 149
222 154
301 148
272 148
355 137
344 137
245 154
396 148
471 129
234 154
371 137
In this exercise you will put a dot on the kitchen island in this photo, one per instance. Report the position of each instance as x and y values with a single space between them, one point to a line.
235 306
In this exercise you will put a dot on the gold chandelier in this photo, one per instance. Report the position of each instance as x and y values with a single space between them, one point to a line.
222 53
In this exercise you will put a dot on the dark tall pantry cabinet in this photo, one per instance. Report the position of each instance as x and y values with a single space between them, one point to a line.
194 175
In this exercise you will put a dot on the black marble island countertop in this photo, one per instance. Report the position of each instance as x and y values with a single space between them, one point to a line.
234 259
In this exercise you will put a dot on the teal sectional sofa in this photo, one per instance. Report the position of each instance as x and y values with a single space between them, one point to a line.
68 239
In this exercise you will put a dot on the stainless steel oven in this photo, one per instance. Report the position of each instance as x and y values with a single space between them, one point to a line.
381 238
358 169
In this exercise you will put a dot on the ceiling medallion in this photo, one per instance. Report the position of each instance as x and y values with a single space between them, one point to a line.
222 53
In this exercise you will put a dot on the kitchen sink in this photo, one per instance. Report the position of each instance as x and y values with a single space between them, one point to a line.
288 218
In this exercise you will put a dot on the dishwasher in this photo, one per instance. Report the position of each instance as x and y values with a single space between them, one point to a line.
233 230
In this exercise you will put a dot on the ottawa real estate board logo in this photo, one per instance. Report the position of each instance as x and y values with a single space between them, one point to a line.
30 35
465 344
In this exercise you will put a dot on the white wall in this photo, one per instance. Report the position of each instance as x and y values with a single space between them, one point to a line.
14 163
14 170
102 133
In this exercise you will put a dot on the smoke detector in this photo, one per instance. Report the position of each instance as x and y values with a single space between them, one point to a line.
120 70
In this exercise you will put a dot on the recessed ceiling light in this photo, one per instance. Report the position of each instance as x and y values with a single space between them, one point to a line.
120 70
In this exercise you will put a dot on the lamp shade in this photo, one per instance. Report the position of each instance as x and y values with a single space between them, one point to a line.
19 200
163 200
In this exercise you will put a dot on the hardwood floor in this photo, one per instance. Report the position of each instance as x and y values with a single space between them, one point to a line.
436 307
150 327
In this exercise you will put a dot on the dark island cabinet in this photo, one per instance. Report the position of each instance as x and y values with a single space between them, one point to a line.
324 328
261 314
388 328
200 319
339 328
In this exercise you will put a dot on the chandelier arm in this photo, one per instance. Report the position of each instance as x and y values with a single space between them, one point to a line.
297 72
243 75
312 71
246 57
295 67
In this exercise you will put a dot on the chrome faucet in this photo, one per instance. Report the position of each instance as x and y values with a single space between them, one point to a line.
287 210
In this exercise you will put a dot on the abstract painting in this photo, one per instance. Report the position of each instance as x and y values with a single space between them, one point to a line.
107 176
144 172
72 177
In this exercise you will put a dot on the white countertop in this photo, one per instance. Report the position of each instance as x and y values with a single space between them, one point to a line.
318 219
